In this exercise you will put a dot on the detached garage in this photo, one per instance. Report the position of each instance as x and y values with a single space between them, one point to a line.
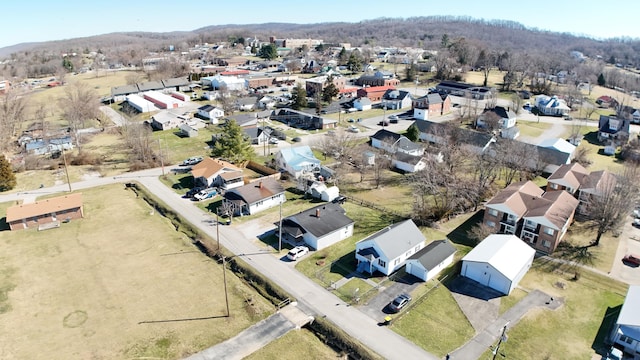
430 260
499 262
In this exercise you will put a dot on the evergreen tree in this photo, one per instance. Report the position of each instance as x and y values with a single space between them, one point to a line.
330 90
601 80
413 133
231 144
268 52
299 97
254 50
7 177
355 61
412 72
342 57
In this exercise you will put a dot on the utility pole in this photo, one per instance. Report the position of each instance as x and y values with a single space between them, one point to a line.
503 337
280 229
66 170
224 279
218 228
161 159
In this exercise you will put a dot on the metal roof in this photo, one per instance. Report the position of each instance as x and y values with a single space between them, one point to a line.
506 253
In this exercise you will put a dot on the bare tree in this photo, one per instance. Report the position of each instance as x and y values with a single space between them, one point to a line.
138 138
13 110
79 105
613 201
381 164
479 232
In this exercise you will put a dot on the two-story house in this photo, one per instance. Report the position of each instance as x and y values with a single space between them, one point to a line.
539 218
499 118
430 104
611 128
396 99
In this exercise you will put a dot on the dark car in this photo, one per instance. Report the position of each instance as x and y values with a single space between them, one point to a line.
383 123
399 302
296 139
340 199
191 193
631 260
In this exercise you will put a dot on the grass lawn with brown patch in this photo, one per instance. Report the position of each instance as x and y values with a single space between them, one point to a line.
295 345
101 287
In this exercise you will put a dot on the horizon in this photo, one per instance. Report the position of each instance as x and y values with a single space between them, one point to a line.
51 22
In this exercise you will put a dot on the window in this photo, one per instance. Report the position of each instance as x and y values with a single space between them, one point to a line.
493 212
382 263
396 262
512 217
530 224
408 253
491 223
626 339
549 231
417 248
546 244
553 186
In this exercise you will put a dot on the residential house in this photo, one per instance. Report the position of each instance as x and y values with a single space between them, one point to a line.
49 146
430 260
362 104
392 142
551 106
208 173
318 227
408 163
396 99
302 120
568 177
537 217
249 199
607 101
560 145
211 112
374 93
257 135
297 161
267 102
465 90
387 250
544 159
169 119
499 118
597 183
498 262
431 104
626 330
246 103
613 130
444 134
45 213
378 78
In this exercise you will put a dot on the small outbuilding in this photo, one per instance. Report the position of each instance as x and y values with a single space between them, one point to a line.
500 261
430 260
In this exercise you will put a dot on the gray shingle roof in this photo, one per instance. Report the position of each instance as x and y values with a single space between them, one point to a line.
397 238
255 191
433 254
319 220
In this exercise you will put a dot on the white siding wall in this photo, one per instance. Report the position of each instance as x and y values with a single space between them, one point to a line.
265 204
486 275
329 239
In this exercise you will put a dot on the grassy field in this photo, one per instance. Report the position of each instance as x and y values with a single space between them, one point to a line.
82 291
477 77
532 129
301 344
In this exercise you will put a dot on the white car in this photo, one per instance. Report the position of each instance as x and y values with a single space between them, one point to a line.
273 140
297 252
192 160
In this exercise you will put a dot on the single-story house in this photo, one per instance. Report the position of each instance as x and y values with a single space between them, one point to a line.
262 194
407 162
374 93
387 250
551 105
208 173
318 227
443 134
297 160
430 260
49 146
498 262
168 119
45 213
246 103
362 104
211 112
558 144
393 142
626 331
302 120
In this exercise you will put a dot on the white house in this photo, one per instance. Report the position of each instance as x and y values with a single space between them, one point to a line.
362 104
262 194
626 332
297 160
500 261
396 99
392 142
551 105
558 144
211 112
318 227
504 118
433 258
407 162
387 250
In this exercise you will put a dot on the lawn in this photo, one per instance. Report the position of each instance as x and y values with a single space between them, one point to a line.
434 321
82 291
294 345
176 148
575 330
582 234
533 129
477 77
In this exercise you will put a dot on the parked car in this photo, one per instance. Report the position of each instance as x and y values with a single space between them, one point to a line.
393 117
192 160
351 120
340 199
273 140
383 123
297 252
636 213
614 354
399 302
632 260
353 129
296 139
192 192
205 194
636 222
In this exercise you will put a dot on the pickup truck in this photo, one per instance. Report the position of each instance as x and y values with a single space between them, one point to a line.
205 194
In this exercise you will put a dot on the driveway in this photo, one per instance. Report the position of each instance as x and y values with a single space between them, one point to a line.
628 243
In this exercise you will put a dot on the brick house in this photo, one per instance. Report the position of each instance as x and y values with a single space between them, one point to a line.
430 104
539 218
374 93
47 212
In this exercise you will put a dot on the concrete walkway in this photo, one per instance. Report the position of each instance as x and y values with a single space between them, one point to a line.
488 337
257 336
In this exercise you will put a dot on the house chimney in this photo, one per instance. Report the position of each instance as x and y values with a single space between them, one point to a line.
260 185
317 213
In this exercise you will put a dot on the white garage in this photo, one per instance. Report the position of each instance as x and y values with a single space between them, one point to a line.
499 262
430 260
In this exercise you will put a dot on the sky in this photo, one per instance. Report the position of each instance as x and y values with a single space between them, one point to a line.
44 20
